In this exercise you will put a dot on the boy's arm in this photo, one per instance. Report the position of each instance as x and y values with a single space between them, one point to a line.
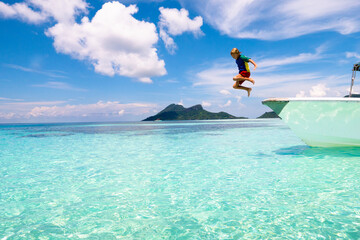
253 63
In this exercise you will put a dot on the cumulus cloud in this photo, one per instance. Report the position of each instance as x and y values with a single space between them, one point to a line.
280 19
57 110
319 90
101 108
227 104
205 104
7 116
113 41
174 22
61 11
301 94
39 11
225 92
21 11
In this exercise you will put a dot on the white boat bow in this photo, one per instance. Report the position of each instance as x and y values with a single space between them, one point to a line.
320 122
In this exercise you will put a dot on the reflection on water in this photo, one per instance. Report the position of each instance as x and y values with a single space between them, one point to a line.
42 135
307 151
133 128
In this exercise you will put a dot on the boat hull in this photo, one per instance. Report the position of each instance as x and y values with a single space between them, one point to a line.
321 122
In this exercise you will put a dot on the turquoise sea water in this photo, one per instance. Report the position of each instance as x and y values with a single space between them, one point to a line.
236 179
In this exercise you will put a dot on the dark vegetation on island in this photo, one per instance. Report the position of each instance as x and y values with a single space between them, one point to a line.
269 115
197 112
178 112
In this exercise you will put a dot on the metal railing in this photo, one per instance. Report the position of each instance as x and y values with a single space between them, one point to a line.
356 68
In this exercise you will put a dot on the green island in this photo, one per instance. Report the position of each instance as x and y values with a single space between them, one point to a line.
196 112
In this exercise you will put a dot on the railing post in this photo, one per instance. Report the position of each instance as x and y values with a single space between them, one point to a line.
355 68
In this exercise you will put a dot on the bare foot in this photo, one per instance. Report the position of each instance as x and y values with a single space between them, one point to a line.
252 80
249 91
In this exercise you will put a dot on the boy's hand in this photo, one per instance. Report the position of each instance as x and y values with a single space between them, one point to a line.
253 63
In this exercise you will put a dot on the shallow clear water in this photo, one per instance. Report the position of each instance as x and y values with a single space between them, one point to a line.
237 179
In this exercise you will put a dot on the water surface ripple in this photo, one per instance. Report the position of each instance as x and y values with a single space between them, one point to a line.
238 179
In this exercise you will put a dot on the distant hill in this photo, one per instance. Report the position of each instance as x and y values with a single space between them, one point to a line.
269 115
178 112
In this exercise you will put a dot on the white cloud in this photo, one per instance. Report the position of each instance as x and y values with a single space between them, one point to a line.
7 116
98 109
225 92
352 55
10 99
113 41
21 11
56 110
174 22
238 98
301 94
39 11
215 75
227 104
58 85
136 1
319 90
61 11
168 41
269 64
205 104
49 73
280 19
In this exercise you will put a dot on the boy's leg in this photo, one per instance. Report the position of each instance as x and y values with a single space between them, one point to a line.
238 83
243 88
239 77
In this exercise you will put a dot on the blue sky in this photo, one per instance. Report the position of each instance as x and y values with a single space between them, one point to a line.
80 60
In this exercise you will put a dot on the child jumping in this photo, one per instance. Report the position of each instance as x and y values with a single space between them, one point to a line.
244 70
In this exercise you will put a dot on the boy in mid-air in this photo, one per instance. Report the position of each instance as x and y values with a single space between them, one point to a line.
244 70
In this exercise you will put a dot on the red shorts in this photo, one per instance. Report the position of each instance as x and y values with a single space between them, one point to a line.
245 74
